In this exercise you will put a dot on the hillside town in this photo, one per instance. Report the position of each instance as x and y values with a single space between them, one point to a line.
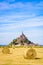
22 40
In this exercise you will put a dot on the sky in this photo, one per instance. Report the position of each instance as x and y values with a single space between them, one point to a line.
17 16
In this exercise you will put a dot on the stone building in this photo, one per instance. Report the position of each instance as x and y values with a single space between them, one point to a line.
22 40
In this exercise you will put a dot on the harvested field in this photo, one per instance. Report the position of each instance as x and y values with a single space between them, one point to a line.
16 57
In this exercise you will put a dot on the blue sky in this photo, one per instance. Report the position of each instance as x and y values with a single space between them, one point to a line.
17 16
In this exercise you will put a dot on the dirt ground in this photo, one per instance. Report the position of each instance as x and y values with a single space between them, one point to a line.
16 57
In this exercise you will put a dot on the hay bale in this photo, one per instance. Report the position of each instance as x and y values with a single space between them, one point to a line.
30 53
5 50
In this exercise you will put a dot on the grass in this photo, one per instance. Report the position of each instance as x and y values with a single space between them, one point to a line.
16 57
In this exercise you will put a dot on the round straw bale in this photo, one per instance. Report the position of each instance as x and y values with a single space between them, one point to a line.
5 50
30 53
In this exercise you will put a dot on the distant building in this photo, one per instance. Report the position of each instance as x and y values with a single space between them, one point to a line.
22 40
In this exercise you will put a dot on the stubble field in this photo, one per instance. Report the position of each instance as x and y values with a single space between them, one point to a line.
16 57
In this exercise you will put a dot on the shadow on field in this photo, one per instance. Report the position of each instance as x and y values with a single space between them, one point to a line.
37 58
32 58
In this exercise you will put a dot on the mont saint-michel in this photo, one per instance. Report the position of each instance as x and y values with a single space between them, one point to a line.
22 40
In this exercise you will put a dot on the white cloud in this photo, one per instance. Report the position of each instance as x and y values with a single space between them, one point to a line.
12 30
12 25
25 6
4 5
37 21
14 18
34 35
6 38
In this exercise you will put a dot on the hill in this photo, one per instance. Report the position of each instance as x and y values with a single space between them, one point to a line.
22 40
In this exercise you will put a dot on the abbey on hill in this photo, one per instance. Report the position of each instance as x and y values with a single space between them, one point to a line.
22 40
